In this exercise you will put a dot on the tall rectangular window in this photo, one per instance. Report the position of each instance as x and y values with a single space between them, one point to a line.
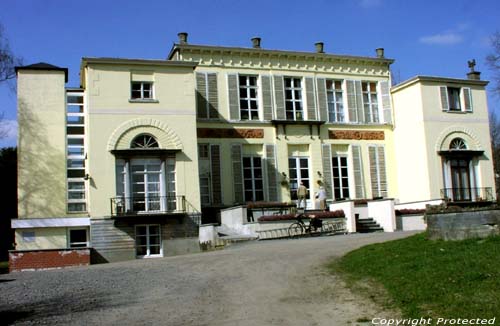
141 90
298 168
454 99
249 109
340 177
205 190
75 152
293 99
335 98
370 101
252 178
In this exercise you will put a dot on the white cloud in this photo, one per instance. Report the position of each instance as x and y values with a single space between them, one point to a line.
8 129
370 3
448 38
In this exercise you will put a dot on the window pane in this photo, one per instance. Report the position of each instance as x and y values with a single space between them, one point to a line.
75 109
75 99
78 235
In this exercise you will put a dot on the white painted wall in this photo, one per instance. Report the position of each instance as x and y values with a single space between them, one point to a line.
382 211
349 211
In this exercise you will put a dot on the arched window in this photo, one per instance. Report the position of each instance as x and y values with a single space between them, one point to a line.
144 141
458 144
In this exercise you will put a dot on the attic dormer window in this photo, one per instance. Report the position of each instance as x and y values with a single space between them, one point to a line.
144 141
458 144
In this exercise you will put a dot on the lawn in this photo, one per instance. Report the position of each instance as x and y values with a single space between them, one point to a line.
426 278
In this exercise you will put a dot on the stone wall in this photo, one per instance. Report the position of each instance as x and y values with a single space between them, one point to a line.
463 225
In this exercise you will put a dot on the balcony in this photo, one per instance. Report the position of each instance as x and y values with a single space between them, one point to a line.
158 205
467 195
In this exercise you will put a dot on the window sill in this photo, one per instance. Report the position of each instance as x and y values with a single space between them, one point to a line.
457 111
143 101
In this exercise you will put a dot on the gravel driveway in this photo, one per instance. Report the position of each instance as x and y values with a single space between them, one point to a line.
278 282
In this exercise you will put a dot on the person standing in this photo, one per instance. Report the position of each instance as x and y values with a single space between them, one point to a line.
321 195
301 195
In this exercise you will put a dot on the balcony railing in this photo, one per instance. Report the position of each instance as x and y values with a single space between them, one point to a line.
140 205
467 194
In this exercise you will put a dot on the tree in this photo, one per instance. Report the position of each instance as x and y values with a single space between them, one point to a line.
493 61
8 61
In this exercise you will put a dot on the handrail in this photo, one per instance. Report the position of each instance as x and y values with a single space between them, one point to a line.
122 206
472 194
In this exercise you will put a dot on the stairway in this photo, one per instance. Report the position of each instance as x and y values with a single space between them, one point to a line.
368 225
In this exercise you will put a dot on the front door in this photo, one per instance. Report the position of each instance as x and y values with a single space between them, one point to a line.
148 241
460 179
298 168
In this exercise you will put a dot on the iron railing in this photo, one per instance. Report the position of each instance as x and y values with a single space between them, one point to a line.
467 194
141 205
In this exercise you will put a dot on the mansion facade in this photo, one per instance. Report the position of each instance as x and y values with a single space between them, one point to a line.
133 160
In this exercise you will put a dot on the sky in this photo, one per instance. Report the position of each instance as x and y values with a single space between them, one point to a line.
432 38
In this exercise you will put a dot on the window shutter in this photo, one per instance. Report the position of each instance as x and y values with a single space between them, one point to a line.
213 98
311 101
267 97
386 101
279 95
271 171
362 118
351 101
444 98
358 172
237 173
377 171
323 107
201 96
216 174
327 169
467 99
234 102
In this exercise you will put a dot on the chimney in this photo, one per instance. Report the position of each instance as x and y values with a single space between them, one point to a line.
183 38
319 47
473 74
256 42
380 53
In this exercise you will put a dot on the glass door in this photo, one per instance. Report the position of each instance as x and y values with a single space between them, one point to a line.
146 185
252 174
460 179
298 168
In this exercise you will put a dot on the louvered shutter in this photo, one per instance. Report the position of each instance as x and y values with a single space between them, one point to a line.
213 97
310 100
271 171
351 101
362 118
444 98
201 96
267 97
322 100
234 102
215 171
327 169
467 99
382 171
237 173
279 95
386 101
357 165
377 171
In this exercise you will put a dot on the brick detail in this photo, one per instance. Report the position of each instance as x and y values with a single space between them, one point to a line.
356 135
48 259
230 133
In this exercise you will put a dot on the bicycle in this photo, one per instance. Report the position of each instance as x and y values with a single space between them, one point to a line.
297 229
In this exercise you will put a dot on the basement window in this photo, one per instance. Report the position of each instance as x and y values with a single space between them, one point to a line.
78 238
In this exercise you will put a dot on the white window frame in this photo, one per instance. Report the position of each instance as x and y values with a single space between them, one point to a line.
339 114
248 99
372 103
341 176
148 245
299 175
70 243
28 236
253 178
142 83
207 194
293 100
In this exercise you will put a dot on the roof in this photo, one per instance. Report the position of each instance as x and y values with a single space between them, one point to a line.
159 62
44 66
435 79
179 47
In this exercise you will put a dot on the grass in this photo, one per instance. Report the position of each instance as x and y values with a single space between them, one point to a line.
4 267
430 279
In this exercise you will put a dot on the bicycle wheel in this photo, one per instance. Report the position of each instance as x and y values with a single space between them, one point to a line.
295 230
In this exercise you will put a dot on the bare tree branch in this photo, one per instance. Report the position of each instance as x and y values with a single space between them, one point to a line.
493 61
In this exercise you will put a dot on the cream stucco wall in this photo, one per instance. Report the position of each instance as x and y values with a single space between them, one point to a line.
113 120
45 238
41 143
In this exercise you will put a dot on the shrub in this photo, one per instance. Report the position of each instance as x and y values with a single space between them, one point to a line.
267 204
408 211
334 214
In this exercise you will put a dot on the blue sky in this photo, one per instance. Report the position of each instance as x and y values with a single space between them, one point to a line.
424 37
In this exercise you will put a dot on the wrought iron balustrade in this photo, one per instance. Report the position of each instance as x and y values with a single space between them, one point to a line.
143 205
467 194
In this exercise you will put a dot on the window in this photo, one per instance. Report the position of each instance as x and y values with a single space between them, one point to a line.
298 168
148 240
249 109
252 178
456 99
458 144
370 101
144 141
335 98
78 238
29 236
75 152
142 90
340 177
293 99
205 190
203 151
